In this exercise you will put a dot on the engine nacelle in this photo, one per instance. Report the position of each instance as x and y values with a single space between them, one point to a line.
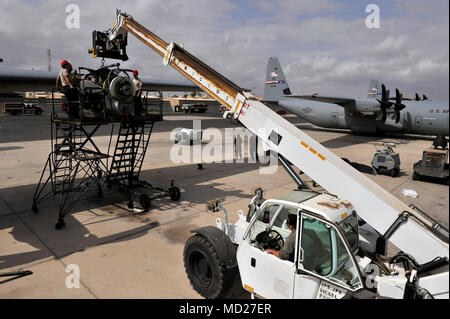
367 106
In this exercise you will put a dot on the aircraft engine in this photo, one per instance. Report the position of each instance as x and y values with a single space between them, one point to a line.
119 99
107 93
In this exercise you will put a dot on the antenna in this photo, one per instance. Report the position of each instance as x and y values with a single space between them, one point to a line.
49 61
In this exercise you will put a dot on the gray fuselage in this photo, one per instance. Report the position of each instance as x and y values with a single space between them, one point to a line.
418 117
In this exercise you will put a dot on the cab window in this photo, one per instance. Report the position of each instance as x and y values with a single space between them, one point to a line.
267 213
345 271
280 220
316 246
324 253
263 218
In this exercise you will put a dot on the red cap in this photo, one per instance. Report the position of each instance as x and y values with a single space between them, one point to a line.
135 72
64 62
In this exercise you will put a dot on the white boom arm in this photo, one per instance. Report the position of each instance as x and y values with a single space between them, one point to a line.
410 231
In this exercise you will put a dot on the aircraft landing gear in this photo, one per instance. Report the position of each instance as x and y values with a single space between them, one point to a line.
440 142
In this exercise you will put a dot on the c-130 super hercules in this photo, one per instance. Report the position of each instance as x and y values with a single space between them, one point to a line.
215 254
376 113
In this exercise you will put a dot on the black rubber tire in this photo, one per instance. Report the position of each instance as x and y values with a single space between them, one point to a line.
204 269
415 176
145 201
60 225
174 193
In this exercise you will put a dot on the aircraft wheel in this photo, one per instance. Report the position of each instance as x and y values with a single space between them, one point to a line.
393 172
205 270
60 224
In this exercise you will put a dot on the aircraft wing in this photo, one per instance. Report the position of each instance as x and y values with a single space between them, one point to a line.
168 86
325 99
14 80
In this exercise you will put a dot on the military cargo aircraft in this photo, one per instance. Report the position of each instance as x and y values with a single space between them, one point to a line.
377 113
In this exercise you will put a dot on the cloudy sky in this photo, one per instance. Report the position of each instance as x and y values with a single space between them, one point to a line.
324 46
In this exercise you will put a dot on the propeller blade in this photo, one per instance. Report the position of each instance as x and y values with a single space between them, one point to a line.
384 103
397 115
384 116
383 92
398 96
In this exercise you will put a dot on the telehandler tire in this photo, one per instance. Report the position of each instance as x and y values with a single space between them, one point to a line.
206 272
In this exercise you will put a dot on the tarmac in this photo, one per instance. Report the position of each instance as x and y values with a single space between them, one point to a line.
121 253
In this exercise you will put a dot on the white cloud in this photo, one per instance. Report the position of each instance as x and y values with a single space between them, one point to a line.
319 49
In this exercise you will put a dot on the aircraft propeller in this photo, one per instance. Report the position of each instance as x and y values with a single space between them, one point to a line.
384 103
398 105
418 98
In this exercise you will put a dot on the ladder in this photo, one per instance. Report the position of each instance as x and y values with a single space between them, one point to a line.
131 145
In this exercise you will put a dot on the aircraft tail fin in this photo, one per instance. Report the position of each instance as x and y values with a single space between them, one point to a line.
374 90
276 85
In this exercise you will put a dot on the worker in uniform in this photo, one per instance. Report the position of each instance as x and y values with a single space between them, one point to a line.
138 96
288 249
66 83
238 146
72 75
